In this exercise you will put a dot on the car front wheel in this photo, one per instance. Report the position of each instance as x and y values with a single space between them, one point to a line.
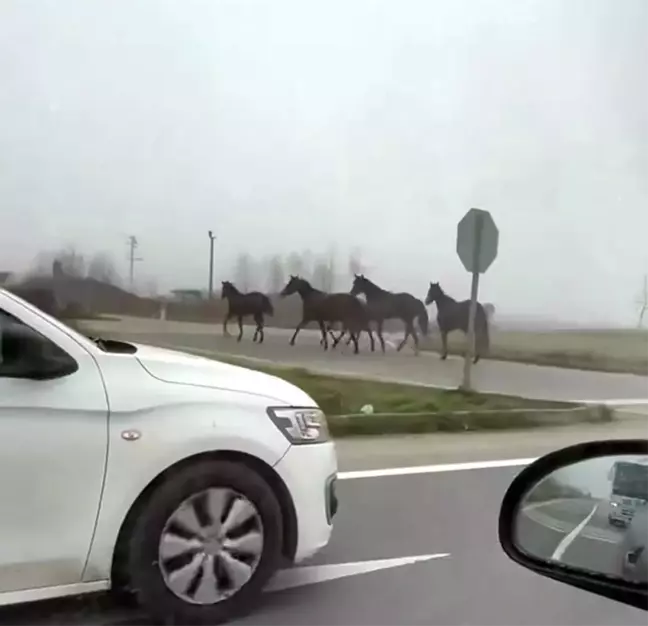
205 544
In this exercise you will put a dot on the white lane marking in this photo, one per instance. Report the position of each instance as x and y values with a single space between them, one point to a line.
563 527
432 469
312 574
568 540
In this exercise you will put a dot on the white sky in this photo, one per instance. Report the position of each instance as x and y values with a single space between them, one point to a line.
292 124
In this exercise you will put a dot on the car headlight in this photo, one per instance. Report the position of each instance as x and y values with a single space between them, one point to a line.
300 425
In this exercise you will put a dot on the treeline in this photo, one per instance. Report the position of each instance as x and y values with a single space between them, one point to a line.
271 273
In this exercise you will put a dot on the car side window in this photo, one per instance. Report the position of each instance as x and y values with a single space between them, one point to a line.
16 351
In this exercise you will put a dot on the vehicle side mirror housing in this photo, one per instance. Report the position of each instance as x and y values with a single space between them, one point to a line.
580 516
27 354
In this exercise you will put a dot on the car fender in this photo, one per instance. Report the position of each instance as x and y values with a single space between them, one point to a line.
143 445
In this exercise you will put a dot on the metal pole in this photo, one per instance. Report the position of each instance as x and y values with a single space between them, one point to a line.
474 290
211 263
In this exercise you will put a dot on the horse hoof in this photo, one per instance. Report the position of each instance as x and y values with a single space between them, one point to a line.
444 357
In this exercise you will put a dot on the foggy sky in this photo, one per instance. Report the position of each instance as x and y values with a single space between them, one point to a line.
292 124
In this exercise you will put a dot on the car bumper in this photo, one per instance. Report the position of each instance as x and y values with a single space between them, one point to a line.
309 472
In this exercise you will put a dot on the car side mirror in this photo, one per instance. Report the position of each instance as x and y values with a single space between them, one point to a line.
580 516
27 354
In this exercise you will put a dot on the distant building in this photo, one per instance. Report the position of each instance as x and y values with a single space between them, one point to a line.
187 295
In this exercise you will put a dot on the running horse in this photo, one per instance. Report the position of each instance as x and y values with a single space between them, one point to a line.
328 308
453 315
242 305
385 305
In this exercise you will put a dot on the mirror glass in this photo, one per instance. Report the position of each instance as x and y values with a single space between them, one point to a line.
591 515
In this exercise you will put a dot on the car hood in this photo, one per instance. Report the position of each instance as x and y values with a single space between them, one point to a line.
186 369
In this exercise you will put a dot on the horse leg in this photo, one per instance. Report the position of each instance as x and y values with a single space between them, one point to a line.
371 339
240 323
354 336
299 327
225 331
444 344
379 329
258 333
408 330
323 329
415 336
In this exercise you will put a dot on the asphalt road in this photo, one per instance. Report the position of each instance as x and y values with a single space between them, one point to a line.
452 513
489 376
574 532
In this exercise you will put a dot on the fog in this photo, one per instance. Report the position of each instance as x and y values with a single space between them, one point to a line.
372 124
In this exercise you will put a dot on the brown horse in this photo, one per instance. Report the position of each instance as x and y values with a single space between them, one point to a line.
328 308
241 305
386 305
453 315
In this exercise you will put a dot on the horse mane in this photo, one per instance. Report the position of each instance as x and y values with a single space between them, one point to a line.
376 288
444 294
231 286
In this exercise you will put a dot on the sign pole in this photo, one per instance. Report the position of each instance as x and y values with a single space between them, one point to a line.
474 290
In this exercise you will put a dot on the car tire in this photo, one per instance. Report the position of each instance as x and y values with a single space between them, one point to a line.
147 544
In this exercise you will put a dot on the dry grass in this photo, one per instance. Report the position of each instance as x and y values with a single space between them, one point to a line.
604 350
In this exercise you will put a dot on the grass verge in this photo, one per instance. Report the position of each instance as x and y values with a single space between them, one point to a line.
622 351
411 409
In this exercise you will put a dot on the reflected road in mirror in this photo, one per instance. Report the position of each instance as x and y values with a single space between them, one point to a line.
592 515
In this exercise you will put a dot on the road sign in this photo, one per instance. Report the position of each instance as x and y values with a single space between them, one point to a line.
477 240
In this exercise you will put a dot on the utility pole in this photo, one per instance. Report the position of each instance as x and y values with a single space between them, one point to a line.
211 263
642 301
132 246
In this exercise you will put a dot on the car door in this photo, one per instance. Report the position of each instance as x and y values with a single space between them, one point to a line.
53 450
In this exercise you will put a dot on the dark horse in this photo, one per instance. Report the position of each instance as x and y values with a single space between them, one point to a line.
241 305
327 309
453 315
385 305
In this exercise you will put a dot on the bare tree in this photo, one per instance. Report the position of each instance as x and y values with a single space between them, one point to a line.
276 276
243 272
642 301
71 261
102 268
355 264
323 276
68 260
295 264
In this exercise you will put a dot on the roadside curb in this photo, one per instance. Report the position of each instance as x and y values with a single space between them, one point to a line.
360 424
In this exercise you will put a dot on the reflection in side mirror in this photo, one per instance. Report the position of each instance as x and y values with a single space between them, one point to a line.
591 515
580 516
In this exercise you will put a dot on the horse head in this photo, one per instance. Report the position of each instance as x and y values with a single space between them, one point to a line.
360 284
434 291
227 288
296 284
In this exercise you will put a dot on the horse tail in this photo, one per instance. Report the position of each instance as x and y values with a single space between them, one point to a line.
266 306
482 334
423 319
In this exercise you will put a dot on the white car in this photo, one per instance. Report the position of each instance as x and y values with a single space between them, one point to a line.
185 481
